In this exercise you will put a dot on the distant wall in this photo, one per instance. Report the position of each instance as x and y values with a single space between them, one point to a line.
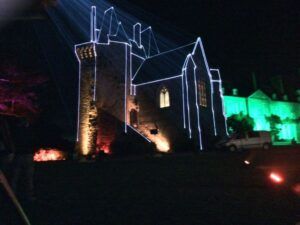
258 108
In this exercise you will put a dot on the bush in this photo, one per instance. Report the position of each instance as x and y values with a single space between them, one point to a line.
240 123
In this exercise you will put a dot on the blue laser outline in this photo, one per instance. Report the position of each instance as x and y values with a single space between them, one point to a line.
142 58
112 12
197 103
93 23
125 87
78 103
134 90
183 102
95 71
211 85
222 98
140 133
172 50
138 70
139 44
95 40
120 26
187 97
160 80
130 79
151 35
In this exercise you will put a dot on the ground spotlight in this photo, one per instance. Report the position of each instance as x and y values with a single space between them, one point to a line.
247 162
296 189
276 178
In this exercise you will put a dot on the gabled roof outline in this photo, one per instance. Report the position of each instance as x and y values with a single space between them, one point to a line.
155 62
182 52
259 94
109 16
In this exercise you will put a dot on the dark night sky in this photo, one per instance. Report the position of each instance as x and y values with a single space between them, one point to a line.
239 38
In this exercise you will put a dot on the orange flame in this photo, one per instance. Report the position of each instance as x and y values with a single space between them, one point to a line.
44 155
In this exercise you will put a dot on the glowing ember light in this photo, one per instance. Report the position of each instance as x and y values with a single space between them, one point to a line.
276 178
103 148
44 155
106 150
161 142
162 145
296 189
247 162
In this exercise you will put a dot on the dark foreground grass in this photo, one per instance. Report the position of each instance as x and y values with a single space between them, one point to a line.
210 188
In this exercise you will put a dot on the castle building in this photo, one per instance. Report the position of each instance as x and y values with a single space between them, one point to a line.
129 90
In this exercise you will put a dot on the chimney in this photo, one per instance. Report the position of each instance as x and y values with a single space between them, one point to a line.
254 81
298 95
93 24
137 30
285 97
235 92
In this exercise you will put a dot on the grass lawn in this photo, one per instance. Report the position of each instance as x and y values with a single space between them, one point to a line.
208 188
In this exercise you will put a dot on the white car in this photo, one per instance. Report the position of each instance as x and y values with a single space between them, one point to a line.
253 139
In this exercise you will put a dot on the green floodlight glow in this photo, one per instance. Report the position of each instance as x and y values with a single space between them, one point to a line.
259 109
235 105
259 106
287 111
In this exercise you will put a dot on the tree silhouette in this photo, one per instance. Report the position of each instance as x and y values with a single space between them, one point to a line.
240 123
18 95
274 121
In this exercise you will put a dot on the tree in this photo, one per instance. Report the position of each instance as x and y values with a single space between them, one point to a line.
289 120
274 121
240 123
17 92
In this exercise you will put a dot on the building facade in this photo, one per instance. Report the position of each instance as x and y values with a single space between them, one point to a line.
127 87
259 106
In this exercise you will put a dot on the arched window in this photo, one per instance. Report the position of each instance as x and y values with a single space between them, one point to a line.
164 98
202 93
134 118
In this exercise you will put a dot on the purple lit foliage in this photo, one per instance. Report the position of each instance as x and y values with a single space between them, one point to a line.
17 95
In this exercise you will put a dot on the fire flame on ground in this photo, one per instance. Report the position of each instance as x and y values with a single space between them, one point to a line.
44 155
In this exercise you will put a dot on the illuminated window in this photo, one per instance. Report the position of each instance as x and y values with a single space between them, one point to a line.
164 98
134 118
202 93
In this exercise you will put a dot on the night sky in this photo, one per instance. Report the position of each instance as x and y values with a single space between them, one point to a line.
239 38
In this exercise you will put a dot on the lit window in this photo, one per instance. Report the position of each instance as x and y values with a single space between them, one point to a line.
202 93
134 118
164 98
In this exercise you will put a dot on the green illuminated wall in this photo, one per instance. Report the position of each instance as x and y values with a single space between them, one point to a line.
287 111
235 105
259 105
